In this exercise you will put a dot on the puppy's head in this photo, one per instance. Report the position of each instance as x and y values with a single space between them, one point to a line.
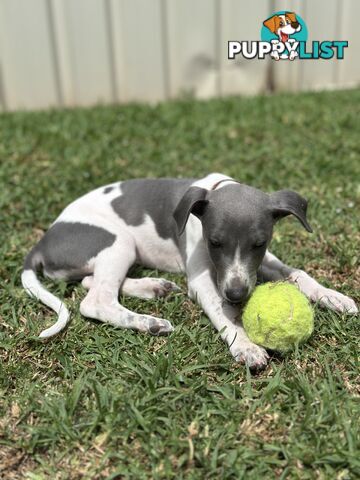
237 225
283 25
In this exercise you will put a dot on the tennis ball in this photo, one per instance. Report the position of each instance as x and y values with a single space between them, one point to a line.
278 316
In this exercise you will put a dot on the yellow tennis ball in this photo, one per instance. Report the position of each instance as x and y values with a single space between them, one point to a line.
278 316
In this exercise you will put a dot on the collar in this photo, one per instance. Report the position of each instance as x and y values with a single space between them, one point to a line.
214 187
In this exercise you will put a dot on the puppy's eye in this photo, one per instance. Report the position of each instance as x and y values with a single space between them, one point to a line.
259 244
281 24
215 243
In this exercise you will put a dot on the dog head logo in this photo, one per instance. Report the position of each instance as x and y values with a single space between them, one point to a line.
285 28
283 25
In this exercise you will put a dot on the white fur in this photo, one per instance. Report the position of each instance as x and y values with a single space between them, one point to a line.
36 290
238 270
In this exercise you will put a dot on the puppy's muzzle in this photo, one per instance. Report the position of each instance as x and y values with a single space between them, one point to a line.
237 295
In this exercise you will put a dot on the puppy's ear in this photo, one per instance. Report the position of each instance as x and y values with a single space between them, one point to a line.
287 202
270 23
291 16
192 202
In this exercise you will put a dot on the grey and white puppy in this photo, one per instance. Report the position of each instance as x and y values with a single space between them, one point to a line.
214 229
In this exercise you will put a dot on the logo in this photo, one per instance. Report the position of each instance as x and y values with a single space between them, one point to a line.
283 37
283 30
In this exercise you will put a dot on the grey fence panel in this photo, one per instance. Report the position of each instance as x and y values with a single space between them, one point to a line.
27 60
192 36
139 49
237 23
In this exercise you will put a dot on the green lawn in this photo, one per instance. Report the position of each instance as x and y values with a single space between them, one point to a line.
97 402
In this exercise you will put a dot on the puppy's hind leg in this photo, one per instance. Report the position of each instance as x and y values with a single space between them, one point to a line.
101 301
145 288
148 287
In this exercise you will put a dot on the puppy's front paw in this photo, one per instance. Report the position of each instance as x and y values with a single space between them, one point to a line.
325 296
336 301
252 355
148 287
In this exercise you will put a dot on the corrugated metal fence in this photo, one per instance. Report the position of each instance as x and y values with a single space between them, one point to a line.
81 52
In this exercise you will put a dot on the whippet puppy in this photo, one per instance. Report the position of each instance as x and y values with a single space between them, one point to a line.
214 229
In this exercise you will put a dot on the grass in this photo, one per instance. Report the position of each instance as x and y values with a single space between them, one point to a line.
100 403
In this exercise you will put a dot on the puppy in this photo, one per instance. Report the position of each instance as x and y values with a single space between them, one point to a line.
214 229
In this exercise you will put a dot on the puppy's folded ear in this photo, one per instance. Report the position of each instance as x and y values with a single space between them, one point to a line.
192 202
287 202
270 24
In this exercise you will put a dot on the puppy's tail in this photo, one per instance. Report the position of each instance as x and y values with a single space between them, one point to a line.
34 288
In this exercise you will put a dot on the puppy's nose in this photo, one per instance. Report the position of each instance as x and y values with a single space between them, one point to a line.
237 295
295 24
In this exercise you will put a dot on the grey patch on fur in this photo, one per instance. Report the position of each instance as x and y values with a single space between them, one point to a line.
108 189
157 198
68 246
